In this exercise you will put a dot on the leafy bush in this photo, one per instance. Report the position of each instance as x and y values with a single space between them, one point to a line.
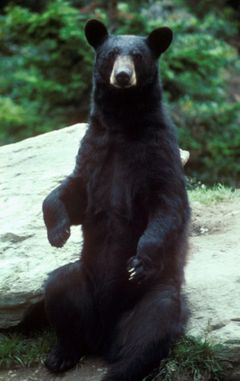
46 70
195 73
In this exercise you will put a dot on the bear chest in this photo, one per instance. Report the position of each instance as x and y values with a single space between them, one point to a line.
117 185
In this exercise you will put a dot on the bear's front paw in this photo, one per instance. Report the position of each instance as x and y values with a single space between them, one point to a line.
138 268
59 234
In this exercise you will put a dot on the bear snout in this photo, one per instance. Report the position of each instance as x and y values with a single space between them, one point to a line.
123 77
123 74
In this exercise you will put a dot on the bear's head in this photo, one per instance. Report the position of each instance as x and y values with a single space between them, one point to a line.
126 61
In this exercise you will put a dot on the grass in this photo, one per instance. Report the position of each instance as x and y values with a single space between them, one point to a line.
192 359
214 195
17 349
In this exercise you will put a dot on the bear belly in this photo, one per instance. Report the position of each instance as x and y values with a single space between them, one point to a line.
109 242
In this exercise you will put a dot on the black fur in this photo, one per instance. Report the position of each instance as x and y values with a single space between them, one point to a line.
123 298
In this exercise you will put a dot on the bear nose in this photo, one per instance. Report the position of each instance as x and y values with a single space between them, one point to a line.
123 77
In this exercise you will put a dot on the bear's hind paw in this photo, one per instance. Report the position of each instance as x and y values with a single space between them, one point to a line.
60 360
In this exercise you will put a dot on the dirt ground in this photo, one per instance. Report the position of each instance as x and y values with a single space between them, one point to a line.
207 220
88 370
223 217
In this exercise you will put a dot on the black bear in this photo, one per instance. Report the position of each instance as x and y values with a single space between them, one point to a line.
123 298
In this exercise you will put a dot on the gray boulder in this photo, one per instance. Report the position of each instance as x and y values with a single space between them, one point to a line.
213 272
29 170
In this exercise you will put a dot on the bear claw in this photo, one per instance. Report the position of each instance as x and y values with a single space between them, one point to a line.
58 236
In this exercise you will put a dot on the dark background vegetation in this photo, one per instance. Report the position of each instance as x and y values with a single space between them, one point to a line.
46 65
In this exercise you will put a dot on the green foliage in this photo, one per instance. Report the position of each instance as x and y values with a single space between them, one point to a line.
195 74
212 195
48 72
192 359
46 66
16 349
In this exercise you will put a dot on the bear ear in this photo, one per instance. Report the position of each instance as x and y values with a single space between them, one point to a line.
95 32
159 40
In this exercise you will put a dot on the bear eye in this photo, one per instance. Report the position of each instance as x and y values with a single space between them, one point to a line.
138 56
112 54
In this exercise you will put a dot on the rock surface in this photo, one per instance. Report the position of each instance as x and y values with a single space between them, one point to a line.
32 168
29 170
213 272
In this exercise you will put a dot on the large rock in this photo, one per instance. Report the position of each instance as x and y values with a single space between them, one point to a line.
29 171
32 168
213 272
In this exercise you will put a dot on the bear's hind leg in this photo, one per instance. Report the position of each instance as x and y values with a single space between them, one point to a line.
70 311
146 334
